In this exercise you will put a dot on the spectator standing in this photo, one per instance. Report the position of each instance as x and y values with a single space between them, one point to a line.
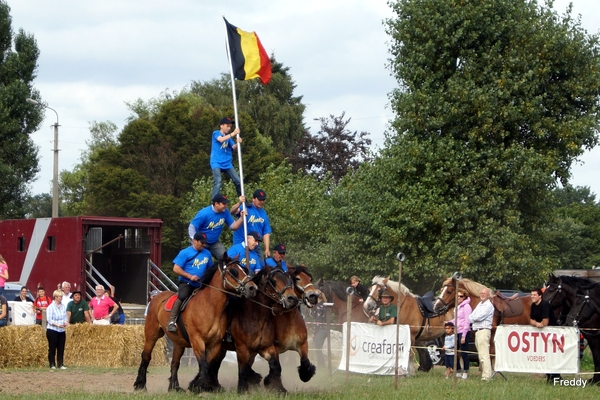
320 329
359 290
23 295
102 307
56 316
221 155
3 311
449 347
387 311
541 315
257 220
210 221
66 289
41 303
481 318
277 259
121 313
78 310
463 327
152 295
239 250
3 274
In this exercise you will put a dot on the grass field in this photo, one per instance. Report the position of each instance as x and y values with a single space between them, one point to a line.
430 385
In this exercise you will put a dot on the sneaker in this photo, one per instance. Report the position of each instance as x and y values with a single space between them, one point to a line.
172 327
63 367
53 367
464 375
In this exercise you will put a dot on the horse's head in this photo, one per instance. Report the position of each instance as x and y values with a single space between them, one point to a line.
583 310
304 286
279 287
554 292
378 285
236 278
446 298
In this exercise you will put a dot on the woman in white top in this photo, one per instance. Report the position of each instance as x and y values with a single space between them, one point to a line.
56 316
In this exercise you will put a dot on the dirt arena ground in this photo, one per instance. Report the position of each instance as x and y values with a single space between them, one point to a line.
46 381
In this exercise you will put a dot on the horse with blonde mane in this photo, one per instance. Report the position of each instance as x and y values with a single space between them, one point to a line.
510 311
424 325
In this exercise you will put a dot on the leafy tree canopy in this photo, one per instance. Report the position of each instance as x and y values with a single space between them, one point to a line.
18 120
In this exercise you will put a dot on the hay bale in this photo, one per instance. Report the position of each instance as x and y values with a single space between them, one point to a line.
86 345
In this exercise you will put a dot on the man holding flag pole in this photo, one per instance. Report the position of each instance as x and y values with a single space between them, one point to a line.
247 60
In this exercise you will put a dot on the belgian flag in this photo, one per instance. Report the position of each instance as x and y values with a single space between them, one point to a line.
247 54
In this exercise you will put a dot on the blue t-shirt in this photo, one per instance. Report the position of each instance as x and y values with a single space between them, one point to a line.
193 262
210 223
240 251
221 154
257 221
272 263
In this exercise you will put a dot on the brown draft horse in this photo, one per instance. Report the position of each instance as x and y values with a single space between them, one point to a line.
504 311
335 292
422 329
253 330
204 321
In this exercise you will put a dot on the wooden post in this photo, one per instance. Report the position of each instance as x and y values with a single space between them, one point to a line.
455 278
327 316
400 257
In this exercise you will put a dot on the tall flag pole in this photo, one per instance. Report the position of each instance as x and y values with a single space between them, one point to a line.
247 60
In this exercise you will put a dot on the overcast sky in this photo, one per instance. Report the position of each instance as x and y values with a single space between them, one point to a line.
95 56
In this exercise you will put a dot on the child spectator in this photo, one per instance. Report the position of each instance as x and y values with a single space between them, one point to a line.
449 347
41 303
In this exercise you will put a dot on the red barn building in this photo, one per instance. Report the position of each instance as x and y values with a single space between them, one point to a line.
84 251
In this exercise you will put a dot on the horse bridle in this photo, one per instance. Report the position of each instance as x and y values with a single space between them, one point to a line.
278 295
241 284
302 289
586 300
445 306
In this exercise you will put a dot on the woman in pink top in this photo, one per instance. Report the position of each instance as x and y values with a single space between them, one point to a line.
463 327
3 274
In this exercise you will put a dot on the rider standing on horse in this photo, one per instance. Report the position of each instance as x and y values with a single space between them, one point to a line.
277 259
239 251
190 264
257 221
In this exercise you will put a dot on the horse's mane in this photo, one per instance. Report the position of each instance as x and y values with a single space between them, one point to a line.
379 280
334 287
208 275
574 280
300 269
474 288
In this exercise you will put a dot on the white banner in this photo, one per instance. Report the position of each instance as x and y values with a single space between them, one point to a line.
20 313
373 349
522 348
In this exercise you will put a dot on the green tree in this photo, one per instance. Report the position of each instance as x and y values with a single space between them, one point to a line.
574 240
277 112
333 151
496 100
18 119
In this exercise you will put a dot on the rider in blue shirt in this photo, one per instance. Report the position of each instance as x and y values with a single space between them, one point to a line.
190 264
277 260
221 155
239 250
257 220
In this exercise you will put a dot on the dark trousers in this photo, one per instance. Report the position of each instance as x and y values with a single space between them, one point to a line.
318 341
464 348
56 347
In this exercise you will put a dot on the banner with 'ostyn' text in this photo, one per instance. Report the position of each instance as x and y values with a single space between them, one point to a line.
373 349
522 348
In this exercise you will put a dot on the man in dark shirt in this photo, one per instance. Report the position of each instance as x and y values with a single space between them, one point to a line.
541 315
